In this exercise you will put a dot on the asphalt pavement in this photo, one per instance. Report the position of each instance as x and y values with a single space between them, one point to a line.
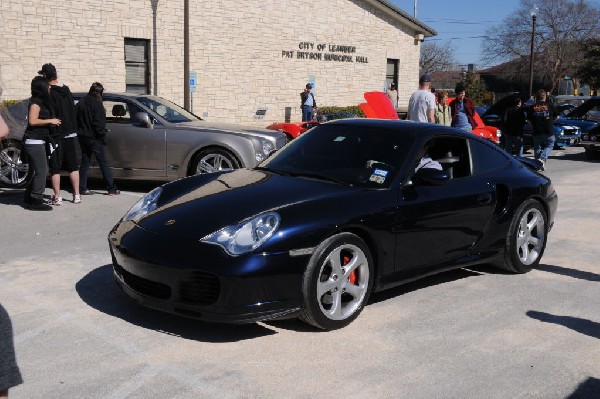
476 333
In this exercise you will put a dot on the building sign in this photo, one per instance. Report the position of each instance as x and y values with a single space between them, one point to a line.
324 52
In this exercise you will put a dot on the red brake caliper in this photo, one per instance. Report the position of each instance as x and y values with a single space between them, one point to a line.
352 277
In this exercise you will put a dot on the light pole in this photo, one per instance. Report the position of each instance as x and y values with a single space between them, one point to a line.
534 11
154 47
186 55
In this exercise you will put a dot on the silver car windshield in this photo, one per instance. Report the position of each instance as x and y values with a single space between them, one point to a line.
168 110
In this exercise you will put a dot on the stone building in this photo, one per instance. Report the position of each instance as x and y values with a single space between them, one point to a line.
250 58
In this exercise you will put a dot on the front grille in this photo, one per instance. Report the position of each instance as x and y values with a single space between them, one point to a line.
144 286
201 288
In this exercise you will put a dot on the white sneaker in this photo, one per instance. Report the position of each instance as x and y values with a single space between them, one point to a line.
56 200
76 199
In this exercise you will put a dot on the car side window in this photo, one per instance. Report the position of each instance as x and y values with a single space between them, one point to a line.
453 154
486 159
119 111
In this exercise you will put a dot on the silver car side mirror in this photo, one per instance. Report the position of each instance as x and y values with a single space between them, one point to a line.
144 119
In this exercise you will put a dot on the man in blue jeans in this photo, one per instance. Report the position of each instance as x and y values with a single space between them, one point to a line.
542 115
91 124
307 103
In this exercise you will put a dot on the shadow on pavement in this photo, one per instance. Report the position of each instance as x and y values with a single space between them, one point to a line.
587 389
441 278
578 156
583 326
425 282
98 290
565 271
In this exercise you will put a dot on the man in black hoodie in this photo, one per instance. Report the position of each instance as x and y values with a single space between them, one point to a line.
64 156
91 124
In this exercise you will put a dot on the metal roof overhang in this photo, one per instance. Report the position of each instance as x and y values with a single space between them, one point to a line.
403 17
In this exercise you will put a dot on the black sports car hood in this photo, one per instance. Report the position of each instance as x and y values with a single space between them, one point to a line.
194 207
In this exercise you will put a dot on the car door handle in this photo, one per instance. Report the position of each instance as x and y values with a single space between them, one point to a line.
485 198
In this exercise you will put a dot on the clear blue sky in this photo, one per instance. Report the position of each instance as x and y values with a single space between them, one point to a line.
463 22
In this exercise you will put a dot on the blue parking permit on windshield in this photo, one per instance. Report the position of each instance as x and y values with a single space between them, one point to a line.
380 172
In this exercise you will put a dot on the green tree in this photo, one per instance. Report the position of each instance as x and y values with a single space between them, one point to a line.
475 88
589 67
561 25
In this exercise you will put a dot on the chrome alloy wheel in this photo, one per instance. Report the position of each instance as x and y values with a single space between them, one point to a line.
13 171
530 236
343 282
214 162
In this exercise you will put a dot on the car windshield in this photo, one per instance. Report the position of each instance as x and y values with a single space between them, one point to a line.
351 155
168 110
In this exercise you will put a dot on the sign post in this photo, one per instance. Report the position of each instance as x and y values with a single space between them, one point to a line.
192 89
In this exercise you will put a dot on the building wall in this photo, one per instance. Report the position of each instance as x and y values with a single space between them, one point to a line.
245 53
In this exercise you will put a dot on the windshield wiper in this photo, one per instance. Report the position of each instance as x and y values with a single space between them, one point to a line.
319 176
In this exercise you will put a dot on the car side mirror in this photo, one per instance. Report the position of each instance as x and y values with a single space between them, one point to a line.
431 177
144 119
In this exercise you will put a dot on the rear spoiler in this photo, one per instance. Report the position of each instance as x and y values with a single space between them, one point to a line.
532 164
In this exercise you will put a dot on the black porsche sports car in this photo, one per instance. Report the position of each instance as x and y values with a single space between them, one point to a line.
350 207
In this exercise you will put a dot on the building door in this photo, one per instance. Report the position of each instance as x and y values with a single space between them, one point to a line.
391 73
137 66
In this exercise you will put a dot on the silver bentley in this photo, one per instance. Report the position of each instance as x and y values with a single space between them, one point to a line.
151 138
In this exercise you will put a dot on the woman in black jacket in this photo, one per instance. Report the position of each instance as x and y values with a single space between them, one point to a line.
91 127
37 134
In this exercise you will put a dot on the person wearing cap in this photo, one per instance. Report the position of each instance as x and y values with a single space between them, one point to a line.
421 105
91 124
64 157
308 104
392 94
462 109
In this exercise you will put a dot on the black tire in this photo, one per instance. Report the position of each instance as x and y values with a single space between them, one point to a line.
526 238
342 263
213 160
14 167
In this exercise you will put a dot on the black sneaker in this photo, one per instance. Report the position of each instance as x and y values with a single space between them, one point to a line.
114 192
39 206
86 192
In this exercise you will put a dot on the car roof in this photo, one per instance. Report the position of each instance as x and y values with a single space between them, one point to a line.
408 127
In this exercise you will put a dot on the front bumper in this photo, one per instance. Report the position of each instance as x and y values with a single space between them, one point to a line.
197 280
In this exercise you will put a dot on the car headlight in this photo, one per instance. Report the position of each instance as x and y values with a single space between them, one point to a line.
267 148
245 237
144 206
498 133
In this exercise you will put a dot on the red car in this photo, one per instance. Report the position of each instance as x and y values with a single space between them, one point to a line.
293 129
487 132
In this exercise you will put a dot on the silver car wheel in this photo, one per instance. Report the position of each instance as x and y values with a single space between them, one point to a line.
343 282
214 162
13 172
530 236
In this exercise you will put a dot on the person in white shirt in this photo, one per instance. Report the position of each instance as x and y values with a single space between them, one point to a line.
392 94
421 106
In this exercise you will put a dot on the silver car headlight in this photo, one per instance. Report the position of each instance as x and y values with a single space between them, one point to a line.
245 237
144 206
267 148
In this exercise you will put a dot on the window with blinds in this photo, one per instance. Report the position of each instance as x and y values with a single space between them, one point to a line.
137 66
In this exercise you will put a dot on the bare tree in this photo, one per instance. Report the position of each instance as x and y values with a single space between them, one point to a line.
560 26
436 57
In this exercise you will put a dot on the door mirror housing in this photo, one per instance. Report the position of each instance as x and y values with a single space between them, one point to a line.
431 177
144 119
